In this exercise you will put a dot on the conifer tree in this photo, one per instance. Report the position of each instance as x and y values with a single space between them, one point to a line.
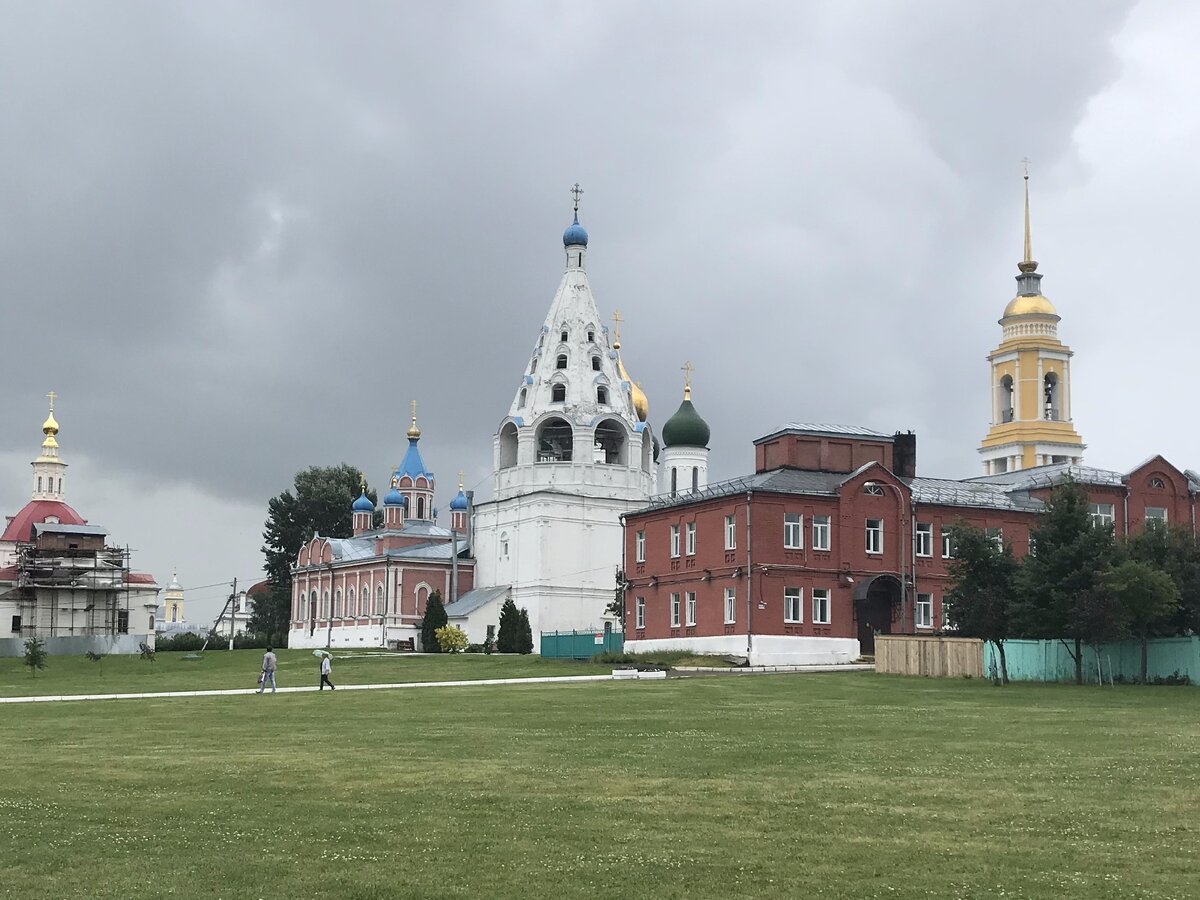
510 624
435 618
524 633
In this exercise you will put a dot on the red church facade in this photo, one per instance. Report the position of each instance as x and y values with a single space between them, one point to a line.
835 538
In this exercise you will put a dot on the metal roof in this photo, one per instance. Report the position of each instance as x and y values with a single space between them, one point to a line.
948 492
825 430
1047 476
473 600
61 528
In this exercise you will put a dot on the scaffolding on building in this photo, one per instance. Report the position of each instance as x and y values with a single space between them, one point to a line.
72 592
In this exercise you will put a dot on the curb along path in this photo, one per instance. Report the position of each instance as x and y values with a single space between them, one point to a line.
482 682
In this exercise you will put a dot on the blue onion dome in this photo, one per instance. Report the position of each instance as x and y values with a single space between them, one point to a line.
459 502
363 503
686 428
575 234
394 498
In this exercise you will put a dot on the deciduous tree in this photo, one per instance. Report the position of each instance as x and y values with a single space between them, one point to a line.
980 604
1148 599
35 655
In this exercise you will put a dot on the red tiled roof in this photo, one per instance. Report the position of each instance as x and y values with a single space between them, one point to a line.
8 573
20 526
140 578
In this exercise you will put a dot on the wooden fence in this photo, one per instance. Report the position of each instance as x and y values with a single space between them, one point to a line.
936 657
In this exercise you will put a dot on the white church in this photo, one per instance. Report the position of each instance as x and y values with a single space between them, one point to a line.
573 453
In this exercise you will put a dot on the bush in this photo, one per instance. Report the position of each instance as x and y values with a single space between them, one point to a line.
35 655
524 633
510 623
451 639
434 619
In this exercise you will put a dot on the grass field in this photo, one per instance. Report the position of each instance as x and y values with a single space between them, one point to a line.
846 785
239 669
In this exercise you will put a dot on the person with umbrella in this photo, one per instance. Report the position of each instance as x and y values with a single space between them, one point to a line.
326 669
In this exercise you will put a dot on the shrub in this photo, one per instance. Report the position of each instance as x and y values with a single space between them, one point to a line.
451 639
35 655
434 619
510 623
524 633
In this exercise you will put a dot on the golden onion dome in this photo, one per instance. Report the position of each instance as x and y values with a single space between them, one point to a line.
1030 305
50 426
641 405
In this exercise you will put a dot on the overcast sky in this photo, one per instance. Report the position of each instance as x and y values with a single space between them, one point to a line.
238 238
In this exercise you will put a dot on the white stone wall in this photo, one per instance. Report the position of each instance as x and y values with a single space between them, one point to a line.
766 650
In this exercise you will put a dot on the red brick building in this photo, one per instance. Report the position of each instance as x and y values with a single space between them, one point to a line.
835 538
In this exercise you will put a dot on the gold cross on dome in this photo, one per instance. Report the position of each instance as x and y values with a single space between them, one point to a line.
577 192
461 474
687 368
52 395
617 320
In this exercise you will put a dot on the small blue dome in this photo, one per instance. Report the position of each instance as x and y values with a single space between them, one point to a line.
394 498
459 502
363 503
575 234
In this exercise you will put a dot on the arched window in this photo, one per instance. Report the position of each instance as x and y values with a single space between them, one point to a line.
39 484
1157 483
325 605
508 445
591 337
60 485
337 604
379 600
521 399
872 489
554 441
351 610
695 479
1050 389
564 336
312 605
674 480
561 362
595 364
1006 398
611 444
602 394
558 393
420 507
533 365
504 543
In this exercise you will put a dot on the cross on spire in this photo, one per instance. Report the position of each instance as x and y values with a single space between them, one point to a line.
576 192
52 395
617 320
1027 264
687 368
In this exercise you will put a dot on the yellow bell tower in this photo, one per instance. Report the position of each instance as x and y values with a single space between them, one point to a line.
1031 381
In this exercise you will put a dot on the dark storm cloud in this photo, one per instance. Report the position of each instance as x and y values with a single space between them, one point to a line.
239 238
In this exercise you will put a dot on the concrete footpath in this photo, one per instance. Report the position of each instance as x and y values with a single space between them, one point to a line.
482 682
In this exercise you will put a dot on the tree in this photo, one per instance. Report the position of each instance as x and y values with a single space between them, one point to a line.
524 633
435 618
510 624
985 579
1148 598
319 503
452 639
35 655
1058 595
616 606
1175 551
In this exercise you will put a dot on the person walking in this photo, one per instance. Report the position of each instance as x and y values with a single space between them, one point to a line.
268 671
326 669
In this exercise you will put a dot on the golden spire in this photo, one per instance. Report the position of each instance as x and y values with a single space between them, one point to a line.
413 431
50 427
687 369
1028 264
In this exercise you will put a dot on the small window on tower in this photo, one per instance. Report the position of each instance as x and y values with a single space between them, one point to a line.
39 484
565 335
521 399
561 363
595 364
591 336
602 394
558 393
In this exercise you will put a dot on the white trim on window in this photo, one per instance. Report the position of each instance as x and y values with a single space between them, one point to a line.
793 605
1102 514
690 607
639 618
731 532
730 605
923 538
821 612
947 543
690 539
640 546
924 616
674 542
1156 514
674 610
821 533
875 536
793 531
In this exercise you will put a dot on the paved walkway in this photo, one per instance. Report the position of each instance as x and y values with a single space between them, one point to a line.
482 682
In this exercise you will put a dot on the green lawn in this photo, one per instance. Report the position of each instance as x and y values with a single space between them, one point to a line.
239 669
846 785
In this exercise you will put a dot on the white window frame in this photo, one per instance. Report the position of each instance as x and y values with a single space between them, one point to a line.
674 610
690 539
923 617
731 532
793 531
639 543
947 544
996 536
822 532
793 605
822 606
639 612
674 542
923 537
1162 520
1103 514
874 547
690 608
730 605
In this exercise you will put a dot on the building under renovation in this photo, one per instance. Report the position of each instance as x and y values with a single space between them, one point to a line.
61 581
